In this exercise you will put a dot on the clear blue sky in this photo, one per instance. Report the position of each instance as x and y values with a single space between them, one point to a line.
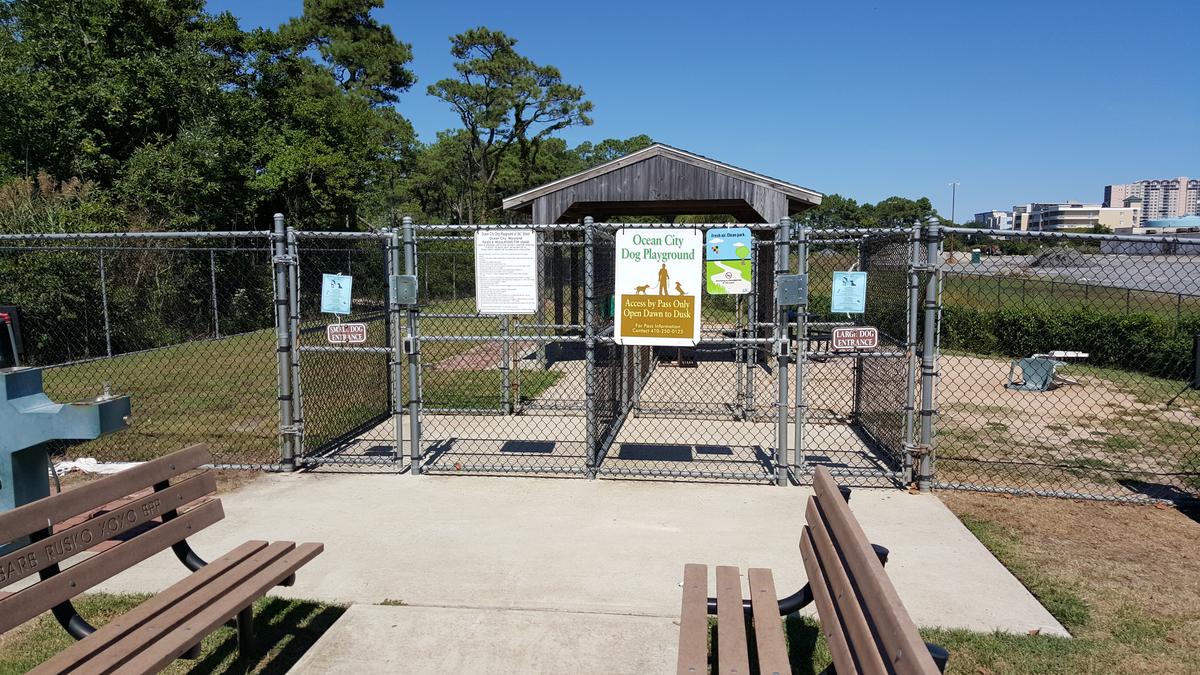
1018 101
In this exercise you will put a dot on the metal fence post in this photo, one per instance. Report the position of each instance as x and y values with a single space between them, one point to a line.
293 251
929 354
782 264
910 347
283 347
212 276
506 402
750 351
589 339
414 354
801 352
857 376
104 307
397 356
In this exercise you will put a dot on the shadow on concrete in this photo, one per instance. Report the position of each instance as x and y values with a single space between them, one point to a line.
283 631
538 447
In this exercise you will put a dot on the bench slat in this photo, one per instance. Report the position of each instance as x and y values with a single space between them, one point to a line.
858 630
169 647
905 650
73 540
170 618
28 603
768 626
42 513
81 651
693 621
831 624
734 656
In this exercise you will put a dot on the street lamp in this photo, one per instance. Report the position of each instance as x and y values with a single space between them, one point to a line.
953 200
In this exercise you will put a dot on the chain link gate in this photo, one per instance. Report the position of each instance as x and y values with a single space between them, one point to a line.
347 398
856 411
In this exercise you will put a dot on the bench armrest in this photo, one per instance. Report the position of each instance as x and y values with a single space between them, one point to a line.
940 656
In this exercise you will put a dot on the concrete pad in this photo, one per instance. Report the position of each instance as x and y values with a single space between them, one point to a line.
615 547
373 639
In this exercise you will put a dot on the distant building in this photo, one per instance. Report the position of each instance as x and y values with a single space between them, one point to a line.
1161 199
1186 226
1042 217
995 220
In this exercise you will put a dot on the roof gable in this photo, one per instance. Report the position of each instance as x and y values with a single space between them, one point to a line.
798 198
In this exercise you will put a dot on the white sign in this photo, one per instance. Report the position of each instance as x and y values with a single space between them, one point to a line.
346 333
506 272
659 274
852 339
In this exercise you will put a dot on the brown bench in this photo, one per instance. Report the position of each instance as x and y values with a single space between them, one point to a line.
149 519
865 625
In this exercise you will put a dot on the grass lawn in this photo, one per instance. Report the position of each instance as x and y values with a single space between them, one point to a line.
1006 292
285 629
1124 580
220 392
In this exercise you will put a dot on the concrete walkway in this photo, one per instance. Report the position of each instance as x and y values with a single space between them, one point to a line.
608 549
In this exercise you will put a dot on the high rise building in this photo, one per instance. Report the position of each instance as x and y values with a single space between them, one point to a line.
1164 198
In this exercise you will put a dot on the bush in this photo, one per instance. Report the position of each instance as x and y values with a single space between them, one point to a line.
1140 342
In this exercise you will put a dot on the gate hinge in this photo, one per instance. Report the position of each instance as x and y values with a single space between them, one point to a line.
917 450
292 430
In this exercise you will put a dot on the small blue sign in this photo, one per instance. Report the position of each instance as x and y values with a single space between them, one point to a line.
849 293
335 293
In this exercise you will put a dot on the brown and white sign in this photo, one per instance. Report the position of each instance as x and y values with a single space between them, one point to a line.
346 333
854 339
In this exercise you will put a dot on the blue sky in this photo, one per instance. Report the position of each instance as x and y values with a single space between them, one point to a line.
1018 101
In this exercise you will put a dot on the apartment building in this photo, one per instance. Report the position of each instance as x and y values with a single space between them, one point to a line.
995 220
1161 198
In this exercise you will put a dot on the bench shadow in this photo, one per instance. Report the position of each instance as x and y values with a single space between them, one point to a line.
283 631
802 637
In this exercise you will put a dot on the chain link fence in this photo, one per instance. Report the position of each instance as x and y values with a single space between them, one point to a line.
1068 365
181 323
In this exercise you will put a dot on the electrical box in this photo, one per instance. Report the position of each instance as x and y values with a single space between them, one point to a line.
12 347
791 289
404 289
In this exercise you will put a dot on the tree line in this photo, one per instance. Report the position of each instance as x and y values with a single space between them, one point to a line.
157 114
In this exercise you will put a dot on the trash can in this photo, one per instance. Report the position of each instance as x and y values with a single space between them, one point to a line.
976 256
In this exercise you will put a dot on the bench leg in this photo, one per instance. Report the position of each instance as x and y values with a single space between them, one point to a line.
245 631
193 652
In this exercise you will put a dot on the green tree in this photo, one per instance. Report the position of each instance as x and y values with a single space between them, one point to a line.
505 101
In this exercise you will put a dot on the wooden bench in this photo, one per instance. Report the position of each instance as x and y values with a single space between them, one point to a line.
865 625
150 519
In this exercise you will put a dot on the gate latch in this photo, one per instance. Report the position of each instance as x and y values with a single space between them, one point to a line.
410 346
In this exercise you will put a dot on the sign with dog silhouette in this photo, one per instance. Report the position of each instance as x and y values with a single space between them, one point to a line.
658 277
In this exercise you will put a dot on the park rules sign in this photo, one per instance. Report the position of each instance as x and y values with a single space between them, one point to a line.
659 273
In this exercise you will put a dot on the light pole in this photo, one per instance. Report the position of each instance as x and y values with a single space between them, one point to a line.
953 200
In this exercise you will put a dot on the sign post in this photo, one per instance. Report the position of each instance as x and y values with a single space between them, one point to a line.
657 286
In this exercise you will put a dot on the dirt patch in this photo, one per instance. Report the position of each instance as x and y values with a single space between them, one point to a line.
1098 424
482 357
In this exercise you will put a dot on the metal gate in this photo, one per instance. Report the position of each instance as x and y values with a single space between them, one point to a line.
857 409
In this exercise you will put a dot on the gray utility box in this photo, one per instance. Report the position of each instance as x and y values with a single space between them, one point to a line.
791 289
